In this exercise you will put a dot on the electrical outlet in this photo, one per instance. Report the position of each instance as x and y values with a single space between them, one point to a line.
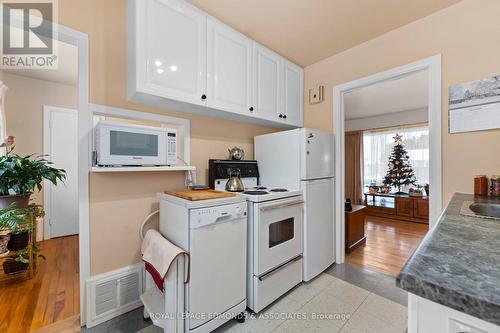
316 95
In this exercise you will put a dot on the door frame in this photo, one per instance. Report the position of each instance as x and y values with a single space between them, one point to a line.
433 66
47 131
81 41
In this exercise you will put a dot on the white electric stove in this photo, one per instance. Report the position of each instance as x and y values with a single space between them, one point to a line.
275 215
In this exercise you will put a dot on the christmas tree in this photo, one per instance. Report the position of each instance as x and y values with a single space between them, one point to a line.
400 171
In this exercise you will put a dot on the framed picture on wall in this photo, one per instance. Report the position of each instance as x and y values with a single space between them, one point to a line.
474 105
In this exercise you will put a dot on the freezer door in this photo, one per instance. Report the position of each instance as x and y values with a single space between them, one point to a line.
318 227
317 154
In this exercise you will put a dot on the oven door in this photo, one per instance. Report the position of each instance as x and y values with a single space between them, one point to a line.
278 233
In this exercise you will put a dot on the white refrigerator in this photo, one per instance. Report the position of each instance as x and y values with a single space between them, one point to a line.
303 159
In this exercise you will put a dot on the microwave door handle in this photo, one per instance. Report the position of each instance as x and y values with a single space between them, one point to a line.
283 205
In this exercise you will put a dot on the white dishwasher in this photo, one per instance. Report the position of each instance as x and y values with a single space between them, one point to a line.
214 233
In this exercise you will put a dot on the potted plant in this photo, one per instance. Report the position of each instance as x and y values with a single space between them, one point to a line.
19 261
19 222
20 176
14 223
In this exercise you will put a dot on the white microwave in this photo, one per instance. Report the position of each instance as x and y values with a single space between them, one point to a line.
118 144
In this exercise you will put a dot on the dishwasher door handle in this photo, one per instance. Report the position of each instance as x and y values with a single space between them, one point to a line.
223 218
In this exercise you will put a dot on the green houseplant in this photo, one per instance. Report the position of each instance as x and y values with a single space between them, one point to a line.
16 223
20 176
19 261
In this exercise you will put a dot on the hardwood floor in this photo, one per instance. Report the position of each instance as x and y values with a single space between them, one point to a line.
52 295
389 244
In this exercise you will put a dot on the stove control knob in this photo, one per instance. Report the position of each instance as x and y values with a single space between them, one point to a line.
239 211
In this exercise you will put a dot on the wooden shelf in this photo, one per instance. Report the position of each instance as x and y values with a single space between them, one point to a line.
143 169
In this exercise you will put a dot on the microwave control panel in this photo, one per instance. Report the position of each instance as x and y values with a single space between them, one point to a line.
171 146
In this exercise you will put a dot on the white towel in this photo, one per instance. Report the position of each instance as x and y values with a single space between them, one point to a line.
159 252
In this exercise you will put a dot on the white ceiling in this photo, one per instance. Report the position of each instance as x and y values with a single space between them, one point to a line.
402 94
66 72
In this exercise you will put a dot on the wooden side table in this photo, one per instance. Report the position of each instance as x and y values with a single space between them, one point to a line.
354 228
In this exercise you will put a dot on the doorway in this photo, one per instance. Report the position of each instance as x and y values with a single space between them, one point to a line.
432 66
50 299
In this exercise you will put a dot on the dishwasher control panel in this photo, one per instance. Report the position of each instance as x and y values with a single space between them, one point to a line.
217 214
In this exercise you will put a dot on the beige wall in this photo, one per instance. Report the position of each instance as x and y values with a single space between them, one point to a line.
118 203
24 103
466 35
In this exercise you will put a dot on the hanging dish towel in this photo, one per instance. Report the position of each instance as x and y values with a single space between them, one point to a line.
159 253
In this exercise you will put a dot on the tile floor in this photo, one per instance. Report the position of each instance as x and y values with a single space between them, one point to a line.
357 299
375 282
345 308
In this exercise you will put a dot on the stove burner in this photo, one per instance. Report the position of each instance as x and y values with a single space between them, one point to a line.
260 188
279 190
255 192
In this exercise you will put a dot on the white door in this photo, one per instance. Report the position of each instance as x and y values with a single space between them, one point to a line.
229 61
317 154
292 94
318 227
278 230
61 146
172 49
266 87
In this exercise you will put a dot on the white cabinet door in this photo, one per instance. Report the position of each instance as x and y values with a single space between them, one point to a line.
229 61
171 50
292 94
266 93
426 316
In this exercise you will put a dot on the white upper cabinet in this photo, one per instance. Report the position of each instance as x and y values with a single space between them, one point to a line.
170 50
266 88
182 59
229 63
292 102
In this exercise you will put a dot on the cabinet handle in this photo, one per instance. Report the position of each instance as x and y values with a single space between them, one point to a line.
281 116
284 117
251 109
203 97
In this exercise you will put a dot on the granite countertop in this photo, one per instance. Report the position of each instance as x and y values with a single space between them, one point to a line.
458 263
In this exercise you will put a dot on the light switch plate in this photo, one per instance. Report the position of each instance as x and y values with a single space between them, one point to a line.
316 95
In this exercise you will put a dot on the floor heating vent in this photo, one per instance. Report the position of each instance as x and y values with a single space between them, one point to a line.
114 293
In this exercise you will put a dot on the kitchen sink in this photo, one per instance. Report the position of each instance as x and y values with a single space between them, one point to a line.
485 210
488 210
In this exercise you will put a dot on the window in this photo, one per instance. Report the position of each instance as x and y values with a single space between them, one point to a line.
281 231
378 144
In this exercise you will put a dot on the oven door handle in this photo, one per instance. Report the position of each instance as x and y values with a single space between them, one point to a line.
279 268
283 205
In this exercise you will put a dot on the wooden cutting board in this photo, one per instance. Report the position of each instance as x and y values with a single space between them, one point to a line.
195 195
